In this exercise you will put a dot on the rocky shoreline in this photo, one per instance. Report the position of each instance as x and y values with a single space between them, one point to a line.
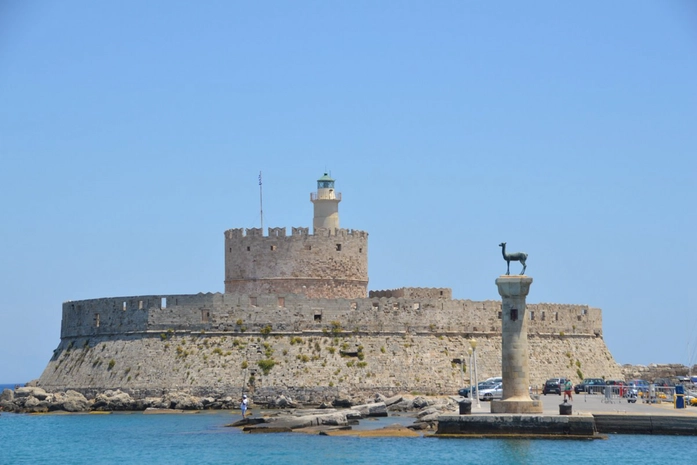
283 414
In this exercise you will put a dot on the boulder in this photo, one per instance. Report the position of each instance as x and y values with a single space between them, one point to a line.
284 402
34 405
377 409
31 391
420 402
294 422
183 401
342 403
7 395
114 401
72 401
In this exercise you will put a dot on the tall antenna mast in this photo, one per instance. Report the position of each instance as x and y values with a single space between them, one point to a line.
261 206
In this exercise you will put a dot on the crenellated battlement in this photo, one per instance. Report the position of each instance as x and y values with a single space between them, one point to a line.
295 231
414 312
414 293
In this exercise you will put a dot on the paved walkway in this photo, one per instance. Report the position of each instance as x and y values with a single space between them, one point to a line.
595 403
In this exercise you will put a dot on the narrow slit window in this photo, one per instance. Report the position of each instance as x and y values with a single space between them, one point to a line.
338 247
163 302
124 306
96 320
514 314
281 301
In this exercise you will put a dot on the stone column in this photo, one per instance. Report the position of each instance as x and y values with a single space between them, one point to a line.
514 347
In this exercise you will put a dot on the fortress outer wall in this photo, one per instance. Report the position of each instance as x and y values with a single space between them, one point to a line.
213 343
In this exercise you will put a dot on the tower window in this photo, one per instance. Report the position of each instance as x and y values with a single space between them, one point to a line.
273 247
96 320
308 247
318 317
514 314
360 250
281 301
338 247
532 315
247 248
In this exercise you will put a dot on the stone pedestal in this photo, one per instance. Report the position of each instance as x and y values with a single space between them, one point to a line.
514 350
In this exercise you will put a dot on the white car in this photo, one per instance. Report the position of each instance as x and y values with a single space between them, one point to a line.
494 392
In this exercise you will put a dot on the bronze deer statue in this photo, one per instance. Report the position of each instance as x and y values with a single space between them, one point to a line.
513 257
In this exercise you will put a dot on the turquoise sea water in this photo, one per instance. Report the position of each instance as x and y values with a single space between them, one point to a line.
201 438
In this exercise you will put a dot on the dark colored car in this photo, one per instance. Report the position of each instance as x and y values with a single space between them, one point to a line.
618 386
554 386
590 385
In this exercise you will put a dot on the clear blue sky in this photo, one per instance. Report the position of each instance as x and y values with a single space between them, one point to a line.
132 134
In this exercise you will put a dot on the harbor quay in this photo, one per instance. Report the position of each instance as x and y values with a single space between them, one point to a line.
592 417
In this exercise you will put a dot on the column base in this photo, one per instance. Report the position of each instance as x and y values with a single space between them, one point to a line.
516 406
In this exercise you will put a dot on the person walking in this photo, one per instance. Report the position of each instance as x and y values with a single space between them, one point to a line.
243 406
567 389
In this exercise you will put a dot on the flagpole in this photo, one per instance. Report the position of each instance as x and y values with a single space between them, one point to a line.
261 206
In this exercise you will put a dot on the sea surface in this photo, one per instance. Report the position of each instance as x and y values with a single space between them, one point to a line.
202 438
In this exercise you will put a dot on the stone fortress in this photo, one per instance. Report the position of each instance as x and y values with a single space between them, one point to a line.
296 318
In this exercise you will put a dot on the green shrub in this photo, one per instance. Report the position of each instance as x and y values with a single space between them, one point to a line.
266 365
266 330
331 349
245 365
336 327
112 362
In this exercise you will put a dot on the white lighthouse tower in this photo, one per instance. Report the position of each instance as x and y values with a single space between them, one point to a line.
326 201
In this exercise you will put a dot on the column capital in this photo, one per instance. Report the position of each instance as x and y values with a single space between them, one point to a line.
513 286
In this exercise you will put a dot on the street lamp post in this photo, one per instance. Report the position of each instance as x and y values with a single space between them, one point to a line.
469 358
473 344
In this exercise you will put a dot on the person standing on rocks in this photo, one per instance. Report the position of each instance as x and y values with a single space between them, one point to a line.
243 406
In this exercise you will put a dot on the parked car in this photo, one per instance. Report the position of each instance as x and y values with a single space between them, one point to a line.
619 387
590 385
491 393
487 383
638 386
554 386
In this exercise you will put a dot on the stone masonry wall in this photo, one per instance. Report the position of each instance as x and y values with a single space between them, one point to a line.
209 342
316 364
329 263
291 312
